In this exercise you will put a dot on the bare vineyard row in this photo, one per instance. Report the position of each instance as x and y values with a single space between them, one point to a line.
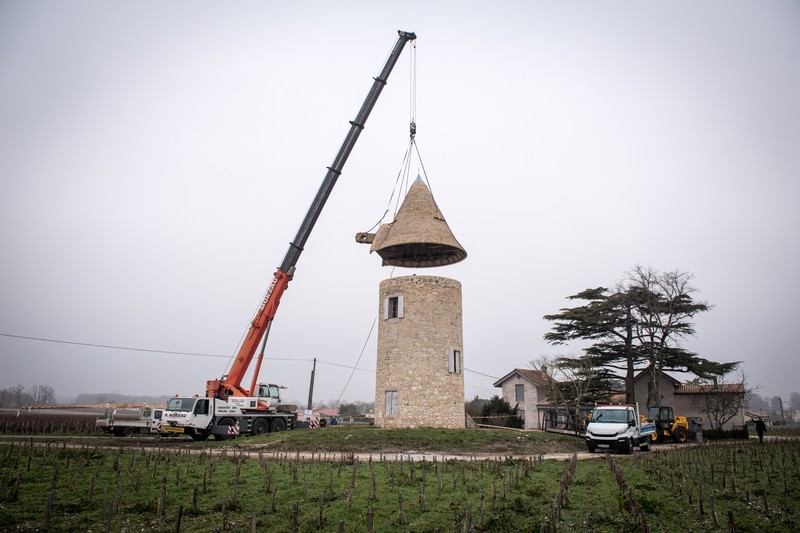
732 487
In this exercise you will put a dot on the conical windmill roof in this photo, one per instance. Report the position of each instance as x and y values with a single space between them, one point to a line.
419 236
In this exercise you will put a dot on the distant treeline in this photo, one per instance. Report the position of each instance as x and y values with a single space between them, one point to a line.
113 397
17 396
20 396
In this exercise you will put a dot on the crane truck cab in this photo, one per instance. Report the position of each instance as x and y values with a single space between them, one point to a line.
268 399
618 428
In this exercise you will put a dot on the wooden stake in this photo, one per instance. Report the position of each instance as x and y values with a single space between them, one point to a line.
224 512
178 521
401 517
110 518
48 508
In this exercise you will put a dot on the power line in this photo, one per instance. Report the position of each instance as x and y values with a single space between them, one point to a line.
197 354
344 366
168 352
112 347
481 373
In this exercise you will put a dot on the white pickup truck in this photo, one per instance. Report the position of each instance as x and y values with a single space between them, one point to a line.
618 428
129 422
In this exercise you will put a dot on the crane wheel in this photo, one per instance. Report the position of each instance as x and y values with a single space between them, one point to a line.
225 422
680 435
260 426
197 435
278 424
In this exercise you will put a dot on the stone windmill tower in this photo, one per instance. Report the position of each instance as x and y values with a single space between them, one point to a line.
420 362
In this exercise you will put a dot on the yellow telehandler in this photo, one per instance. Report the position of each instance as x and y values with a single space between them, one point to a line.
668 426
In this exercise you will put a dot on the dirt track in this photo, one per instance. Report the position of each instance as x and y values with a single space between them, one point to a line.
243 448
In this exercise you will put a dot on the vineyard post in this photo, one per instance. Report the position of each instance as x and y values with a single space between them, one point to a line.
224 513
714 519
401 516
178 521
295 517
480 520
161 498
118 497
731 523
110 518
48 508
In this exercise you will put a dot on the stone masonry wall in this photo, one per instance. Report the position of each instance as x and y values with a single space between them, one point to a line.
415 354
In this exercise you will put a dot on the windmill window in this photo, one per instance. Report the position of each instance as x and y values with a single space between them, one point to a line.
391 402
454 362
393 307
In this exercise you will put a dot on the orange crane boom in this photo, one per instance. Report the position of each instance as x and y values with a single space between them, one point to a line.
231 384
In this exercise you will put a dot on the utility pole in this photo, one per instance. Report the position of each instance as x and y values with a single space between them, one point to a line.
311 387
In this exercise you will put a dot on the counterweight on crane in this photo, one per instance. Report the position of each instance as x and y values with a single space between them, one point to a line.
228 402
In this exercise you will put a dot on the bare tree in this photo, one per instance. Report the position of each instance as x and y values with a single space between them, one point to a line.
15 397
794 401
571 382
665 309
21 397
721 400
777 407
43 394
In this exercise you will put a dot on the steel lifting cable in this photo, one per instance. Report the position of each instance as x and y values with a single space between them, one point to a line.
412 101
401 183
412 144
413 119
401 180
360 355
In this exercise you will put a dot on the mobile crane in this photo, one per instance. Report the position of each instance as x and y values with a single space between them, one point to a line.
229 408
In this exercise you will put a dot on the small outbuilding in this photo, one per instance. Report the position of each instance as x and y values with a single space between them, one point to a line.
524 388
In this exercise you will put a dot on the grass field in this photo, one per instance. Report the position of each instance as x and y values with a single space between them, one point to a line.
258 484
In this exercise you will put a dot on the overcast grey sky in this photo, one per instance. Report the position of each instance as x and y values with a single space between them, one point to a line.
157 158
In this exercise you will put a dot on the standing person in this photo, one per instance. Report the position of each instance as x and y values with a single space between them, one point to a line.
761 428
